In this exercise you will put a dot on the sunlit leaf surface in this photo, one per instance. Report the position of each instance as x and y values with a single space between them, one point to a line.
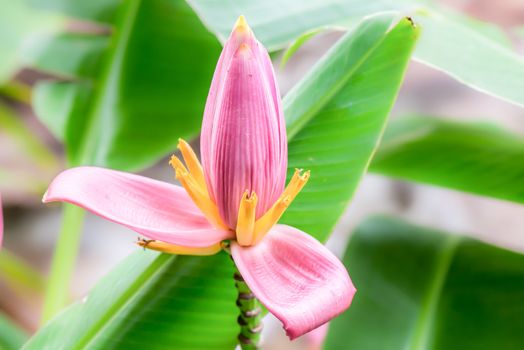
153 301
139 83
474 157
336 116
466 49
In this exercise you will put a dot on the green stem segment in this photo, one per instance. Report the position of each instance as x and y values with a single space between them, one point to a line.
17 91
250 318
57 293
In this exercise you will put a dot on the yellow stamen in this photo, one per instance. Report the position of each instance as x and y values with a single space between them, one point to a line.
249 231
177 249
200 198
246 219
177 164
194 166
271 217
292 183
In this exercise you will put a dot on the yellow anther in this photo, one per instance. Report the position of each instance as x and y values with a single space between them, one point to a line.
192 164
198 194
177 249
177 164
292 183
202 200
271 217
246 219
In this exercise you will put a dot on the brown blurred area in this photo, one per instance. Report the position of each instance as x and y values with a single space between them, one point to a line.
31 228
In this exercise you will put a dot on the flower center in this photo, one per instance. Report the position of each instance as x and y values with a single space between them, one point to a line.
249 230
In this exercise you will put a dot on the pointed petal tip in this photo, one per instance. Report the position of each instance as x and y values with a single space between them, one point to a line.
243 82
293 332
241 22
241 27
44 197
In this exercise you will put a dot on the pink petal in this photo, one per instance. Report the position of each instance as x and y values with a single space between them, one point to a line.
243 141
152 208
298 279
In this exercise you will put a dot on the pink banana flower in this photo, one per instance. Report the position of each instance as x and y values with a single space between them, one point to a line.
237 194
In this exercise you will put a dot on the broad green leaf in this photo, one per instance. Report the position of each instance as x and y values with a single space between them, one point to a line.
136 92
468 50
69 55
160 301
299 42
335 120
473 157
21 26
423 289
476 58
153 301
295 17
58 104
11 336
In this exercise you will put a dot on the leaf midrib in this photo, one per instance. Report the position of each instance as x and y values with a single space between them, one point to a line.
295 126
425 321
147 276
115 56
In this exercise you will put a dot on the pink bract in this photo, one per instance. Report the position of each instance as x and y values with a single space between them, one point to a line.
152 208
298 279
243 141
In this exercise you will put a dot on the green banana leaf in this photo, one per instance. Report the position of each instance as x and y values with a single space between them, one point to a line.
418 288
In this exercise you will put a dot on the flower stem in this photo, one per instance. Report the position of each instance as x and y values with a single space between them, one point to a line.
57 293
250 318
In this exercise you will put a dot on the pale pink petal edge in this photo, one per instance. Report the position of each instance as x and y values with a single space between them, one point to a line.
298 279
152 208
315 339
